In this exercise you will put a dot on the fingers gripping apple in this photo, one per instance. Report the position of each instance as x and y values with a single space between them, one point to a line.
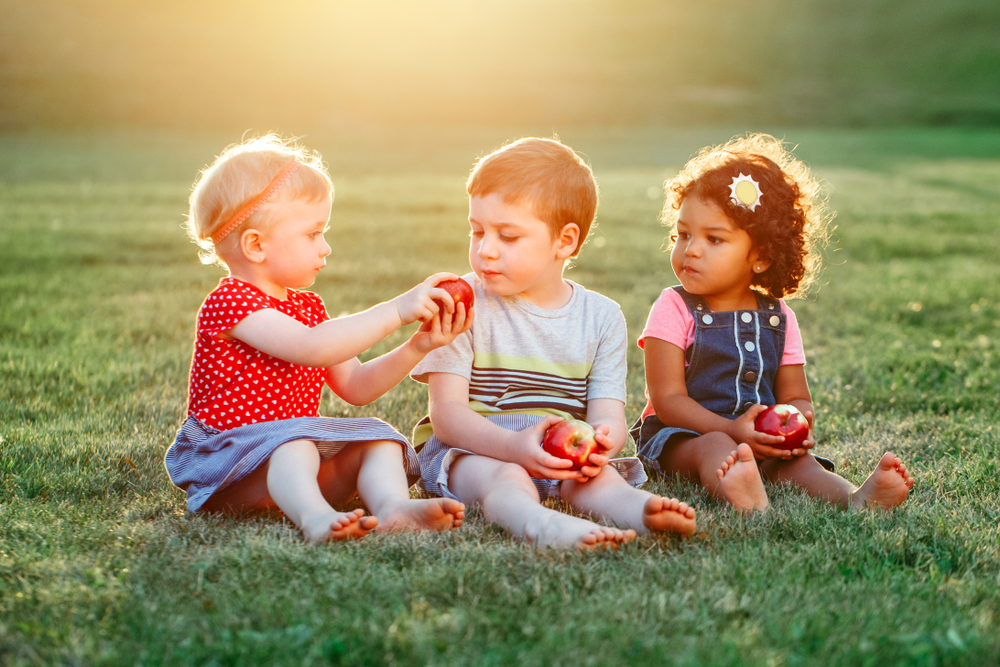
572 440
783 420
460 291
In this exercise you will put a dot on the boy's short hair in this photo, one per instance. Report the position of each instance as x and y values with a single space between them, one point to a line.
545 173
238 175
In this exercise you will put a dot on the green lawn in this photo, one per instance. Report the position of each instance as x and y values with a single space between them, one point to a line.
100 563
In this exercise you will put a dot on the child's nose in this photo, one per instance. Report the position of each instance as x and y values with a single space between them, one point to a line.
325 249
487 248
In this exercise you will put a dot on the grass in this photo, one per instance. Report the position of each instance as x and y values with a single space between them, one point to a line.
100 563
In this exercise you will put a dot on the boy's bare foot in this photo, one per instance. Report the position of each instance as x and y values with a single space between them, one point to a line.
562 531
886 487
426 514
335 525
661 513
740 482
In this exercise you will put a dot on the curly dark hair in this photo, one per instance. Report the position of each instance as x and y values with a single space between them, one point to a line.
788 228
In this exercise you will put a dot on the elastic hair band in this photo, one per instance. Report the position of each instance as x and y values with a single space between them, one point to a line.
255 203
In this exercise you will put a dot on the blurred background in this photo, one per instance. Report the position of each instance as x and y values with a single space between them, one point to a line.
316 65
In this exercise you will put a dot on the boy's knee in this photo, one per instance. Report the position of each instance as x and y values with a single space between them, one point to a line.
511 473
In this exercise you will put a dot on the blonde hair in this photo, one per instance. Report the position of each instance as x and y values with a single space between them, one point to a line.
790 226
238 175
556 182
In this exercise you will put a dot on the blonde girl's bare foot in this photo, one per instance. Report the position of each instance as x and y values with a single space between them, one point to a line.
886 487
670 514
427 514
740 482
334 525
562 531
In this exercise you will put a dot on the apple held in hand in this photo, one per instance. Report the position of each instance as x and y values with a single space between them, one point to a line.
783 420
460 291
572 440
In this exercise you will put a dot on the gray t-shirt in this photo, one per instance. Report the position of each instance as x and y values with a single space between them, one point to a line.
519 357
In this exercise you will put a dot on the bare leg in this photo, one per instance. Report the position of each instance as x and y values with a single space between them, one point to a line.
806 472
509 498
384 490
608 496
292 482
288 481
726 470
885 488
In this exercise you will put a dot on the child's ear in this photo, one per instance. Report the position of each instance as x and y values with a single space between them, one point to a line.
568 240
758 264
251 245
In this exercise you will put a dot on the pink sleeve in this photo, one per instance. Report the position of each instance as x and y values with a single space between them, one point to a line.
670 320
794 355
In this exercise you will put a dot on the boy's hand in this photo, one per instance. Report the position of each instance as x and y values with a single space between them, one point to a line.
601 458
420 303
439 331
527 452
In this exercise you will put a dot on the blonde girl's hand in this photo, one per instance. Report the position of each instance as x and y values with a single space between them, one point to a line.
762 444
441 330
526 450
424 301
600 459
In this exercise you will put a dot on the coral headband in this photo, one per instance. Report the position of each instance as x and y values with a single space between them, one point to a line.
255 203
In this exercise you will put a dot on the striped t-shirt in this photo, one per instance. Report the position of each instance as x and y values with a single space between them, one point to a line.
522 358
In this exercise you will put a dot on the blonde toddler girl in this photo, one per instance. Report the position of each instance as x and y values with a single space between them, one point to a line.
264 348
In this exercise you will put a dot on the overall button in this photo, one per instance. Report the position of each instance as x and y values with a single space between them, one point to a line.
749 346
747 405
775 320
746 317
707 319
750 376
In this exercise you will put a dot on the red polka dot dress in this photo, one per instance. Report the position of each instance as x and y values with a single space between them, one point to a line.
243 404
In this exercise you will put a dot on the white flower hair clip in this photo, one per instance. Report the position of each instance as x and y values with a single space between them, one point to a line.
745 192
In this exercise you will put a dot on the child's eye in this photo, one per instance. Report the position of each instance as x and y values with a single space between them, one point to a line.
508 239
714 240
475 233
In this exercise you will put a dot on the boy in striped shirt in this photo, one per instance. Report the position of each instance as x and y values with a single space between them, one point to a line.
541 349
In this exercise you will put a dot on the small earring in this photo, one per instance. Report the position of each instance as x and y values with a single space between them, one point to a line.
757 269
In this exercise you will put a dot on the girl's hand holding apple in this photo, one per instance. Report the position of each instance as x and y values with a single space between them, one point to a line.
425 301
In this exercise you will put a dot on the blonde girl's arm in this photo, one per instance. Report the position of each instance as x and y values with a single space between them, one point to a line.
361 383
668 395
335 341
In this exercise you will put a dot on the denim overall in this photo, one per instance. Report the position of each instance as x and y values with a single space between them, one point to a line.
732 364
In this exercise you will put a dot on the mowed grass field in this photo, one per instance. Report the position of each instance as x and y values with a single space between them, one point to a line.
101 564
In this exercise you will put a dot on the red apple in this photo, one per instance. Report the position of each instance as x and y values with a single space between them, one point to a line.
572 440
460 291
783 420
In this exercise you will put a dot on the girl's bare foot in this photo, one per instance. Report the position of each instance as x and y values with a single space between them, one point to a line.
740 482
335 525
886 487
661 513
561 531
427 514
